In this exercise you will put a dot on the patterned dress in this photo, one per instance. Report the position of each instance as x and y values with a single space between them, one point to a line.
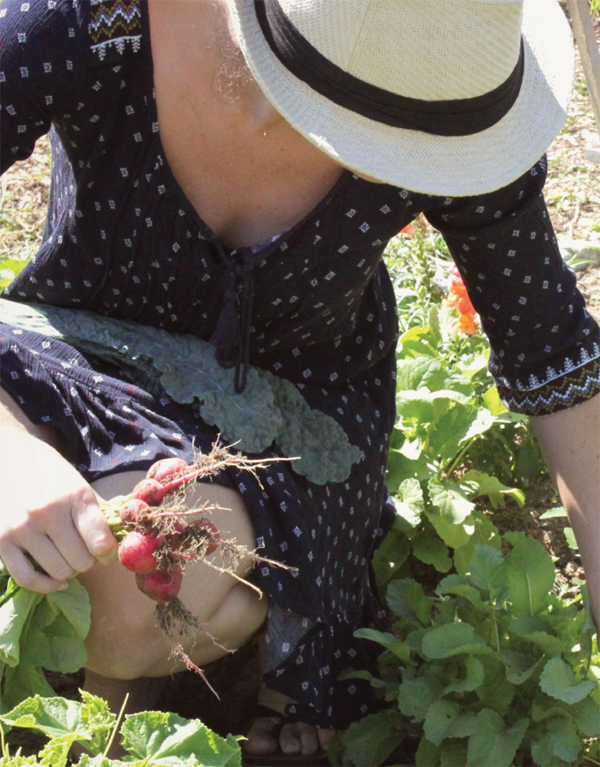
122 240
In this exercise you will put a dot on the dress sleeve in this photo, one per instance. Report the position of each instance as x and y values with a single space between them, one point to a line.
41 49
545 347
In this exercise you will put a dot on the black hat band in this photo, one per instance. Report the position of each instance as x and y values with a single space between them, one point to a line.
451 117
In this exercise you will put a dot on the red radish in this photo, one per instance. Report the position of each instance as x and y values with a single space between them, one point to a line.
134 512
137 551
161 585
151 491
167 468
174 538
212 533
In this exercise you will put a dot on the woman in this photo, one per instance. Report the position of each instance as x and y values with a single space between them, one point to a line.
233 170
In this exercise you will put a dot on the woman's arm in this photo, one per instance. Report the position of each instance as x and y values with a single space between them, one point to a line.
570 441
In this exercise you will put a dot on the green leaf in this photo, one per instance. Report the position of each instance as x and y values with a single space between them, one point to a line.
427 754
406 598
454 754
529 463
14 613
387 640
98 719
410 503
452 639
491 400
450 500
493 744
325 452
446 720
473 679
559 739
497 693
372 739
486 570
65 649
532 630
161 735
74 603
458 426
452 429
391 554
54 717
571 539
56 752
585 714
529 577
456 584
415 696
421 372
24 681
417 342
519 666
480 484
485 534
400 468
454 535
557 511
558 680
429 548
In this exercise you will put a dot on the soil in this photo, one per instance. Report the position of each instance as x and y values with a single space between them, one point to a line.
573 196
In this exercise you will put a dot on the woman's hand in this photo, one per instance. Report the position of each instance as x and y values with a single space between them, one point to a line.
48 514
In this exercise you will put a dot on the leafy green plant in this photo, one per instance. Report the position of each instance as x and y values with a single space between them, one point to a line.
492 670
37 632
488 662
454 443
150 738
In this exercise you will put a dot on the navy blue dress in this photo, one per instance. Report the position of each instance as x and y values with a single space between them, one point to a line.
122 240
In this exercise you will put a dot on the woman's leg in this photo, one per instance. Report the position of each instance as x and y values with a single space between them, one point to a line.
127 652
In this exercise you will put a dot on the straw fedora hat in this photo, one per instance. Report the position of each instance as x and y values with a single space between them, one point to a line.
448 97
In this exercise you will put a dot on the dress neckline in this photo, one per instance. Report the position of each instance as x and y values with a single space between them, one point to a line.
252 253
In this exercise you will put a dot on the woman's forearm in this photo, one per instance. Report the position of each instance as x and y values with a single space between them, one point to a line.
570 441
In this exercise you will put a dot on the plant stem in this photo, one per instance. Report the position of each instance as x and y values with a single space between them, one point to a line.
115 728
448 470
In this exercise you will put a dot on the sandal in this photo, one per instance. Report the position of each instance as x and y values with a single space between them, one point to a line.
278 758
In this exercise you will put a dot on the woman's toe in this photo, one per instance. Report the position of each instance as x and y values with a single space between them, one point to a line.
262 736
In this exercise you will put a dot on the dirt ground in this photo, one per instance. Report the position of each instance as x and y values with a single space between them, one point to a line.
573 195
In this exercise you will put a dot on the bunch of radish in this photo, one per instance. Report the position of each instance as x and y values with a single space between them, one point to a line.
159 534
159 540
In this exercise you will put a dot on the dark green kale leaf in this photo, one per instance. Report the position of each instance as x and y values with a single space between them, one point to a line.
323 447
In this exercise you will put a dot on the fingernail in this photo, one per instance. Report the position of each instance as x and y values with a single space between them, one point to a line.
64 587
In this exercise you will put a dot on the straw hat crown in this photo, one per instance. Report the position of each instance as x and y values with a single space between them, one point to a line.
450 97
366 39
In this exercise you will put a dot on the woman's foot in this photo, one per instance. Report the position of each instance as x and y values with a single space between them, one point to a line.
267 734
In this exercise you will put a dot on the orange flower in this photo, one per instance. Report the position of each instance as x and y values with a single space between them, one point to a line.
458 296
409 230
459 299
466 324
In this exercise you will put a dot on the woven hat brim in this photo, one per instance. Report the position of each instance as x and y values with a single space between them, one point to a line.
421 162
